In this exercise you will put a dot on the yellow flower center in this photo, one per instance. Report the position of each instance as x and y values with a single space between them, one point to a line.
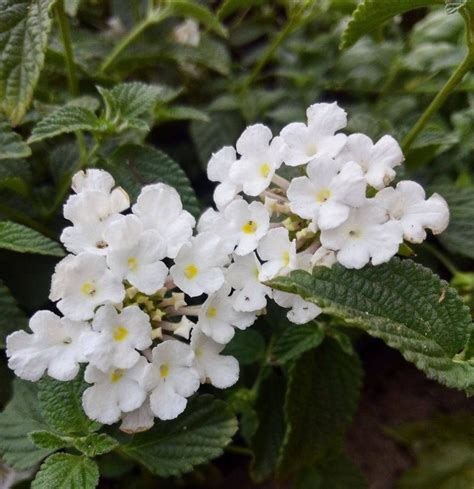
355 233
311 150
211 312
120 333
198 353
88 288
286 258
132 263
265 170
323 195
256 272
116 375
191 271
164 370
249 227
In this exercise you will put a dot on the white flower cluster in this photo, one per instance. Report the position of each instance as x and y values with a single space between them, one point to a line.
127 289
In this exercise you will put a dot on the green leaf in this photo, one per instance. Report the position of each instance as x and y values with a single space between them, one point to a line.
65 120
195 437
402 303
164 113
15 175
135 166
20 417
22 239
46 439
296 340
453 6
228 7
95 444
24 30
321 399
61 405
270 431
459 237
248 346
11 316
194 10
129 100
71 7
11 144
371 14
65 471
334 471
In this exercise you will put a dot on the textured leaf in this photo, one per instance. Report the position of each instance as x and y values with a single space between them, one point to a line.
296 340
194 10
179 113
195 437
371 14
95 444
65 120
268 437
402 303
65 471
15 175
11 316
46 439
20 417
135 166
321 399
129 100
61 405
24 30
248 346
453 6
459 237
11 144
228 7
16 237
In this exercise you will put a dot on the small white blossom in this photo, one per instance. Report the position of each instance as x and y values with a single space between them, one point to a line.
83 282
218 318
323 257
305 142
198 265
114 392
187 32
328 193
135 255
377 160
159 207
260 158
141 419
301 311
218 170
117 336
246 224
92 179
171 378
214 222
221 371
55 346
250 294
366 235
278 252
406 203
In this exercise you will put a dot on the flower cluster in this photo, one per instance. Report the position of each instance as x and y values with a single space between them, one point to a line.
149 304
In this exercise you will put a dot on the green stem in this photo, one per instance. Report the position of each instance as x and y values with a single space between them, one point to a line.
239 450
22 218
70 66
152 18
450 85
449 265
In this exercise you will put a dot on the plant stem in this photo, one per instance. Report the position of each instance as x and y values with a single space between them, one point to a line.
449 265
450 85
151 18
239 450
70 66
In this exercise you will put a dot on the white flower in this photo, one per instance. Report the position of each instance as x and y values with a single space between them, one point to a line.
83 282
367 234
246 224
198 266
117 336
171 378
214 222
323 257
305 142
406 203
260 157
377 160
301 311
221 371
141 419
114 392
218 170
159 207
135 255
92 179
218 318
250 294
187 32
278 252
328 193
55 346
